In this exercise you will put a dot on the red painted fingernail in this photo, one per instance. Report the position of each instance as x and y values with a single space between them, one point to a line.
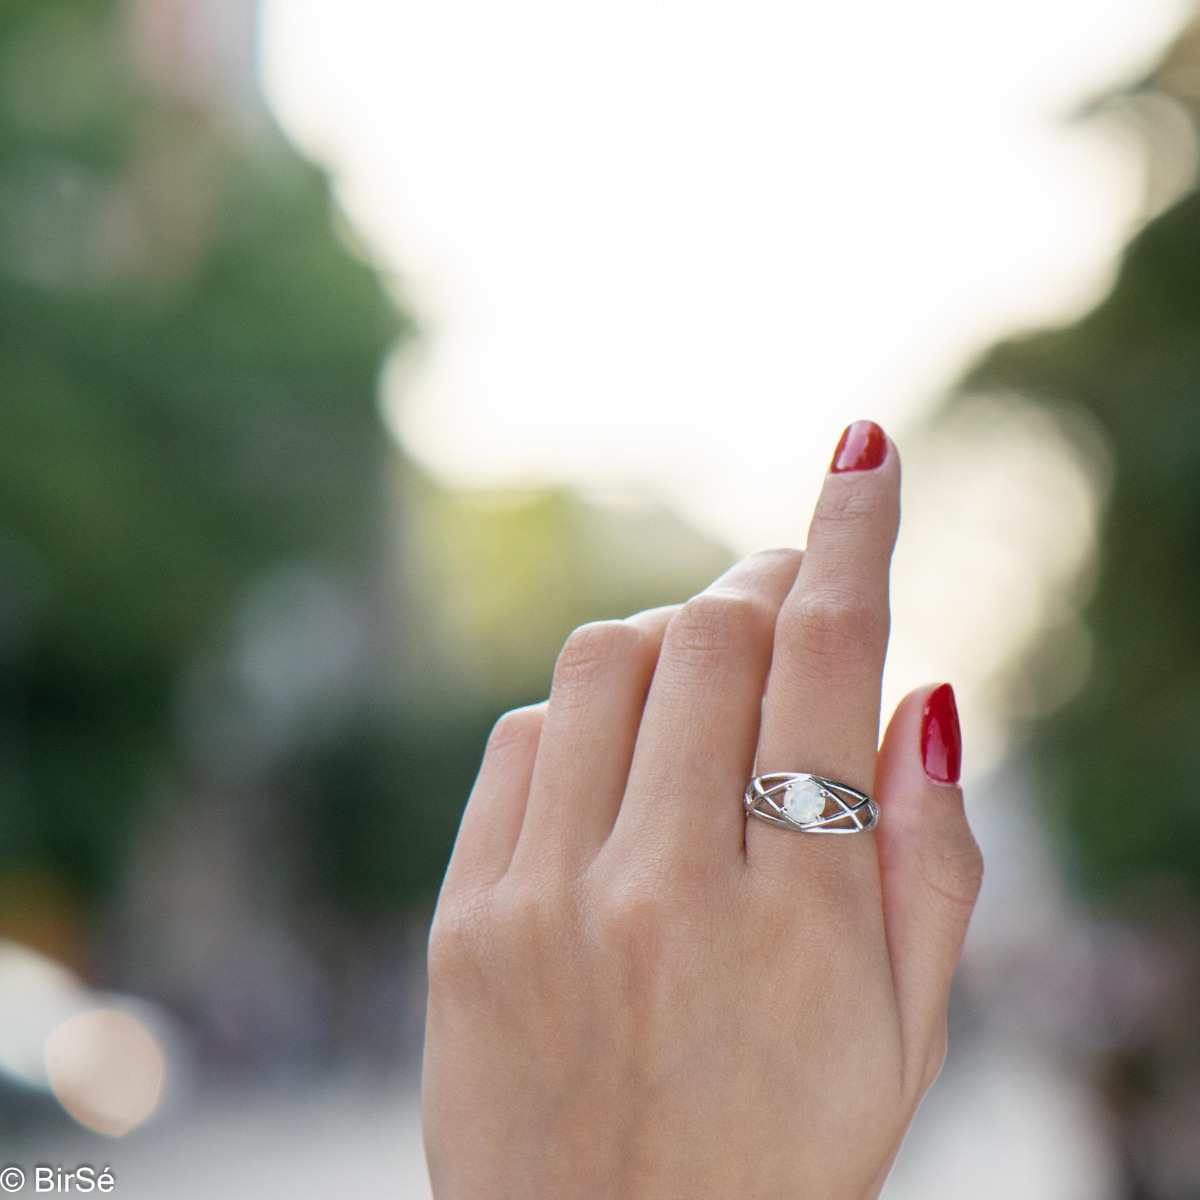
862 448
941 737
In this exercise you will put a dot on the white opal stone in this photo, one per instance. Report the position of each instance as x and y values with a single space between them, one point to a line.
803 801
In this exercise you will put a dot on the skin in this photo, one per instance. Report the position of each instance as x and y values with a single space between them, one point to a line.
634 991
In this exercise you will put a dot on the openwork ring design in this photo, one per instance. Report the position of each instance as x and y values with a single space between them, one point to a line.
809 803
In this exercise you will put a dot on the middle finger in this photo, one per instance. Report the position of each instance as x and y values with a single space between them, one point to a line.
821 710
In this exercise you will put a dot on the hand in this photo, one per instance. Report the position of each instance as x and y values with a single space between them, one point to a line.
636 992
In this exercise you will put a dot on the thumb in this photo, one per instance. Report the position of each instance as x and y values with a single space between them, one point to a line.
930 865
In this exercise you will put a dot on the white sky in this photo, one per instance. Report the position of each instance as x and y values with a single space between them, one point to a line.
676 245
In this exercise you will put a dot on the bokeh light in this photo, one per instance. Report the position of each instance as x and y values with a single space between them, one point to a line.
106 1069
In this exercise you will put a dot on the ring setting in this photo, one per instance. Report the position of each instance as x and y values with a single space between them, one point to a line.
809 803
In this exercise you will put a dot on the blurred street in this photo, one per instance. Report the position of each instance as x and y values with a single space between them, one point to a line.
343 1140
362 1139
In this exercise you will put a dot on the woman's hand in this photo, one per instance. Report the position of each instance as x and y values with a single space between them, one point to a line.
636 992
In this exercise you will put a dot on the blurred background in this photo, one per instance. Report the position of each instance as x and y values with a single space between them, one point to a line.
352 354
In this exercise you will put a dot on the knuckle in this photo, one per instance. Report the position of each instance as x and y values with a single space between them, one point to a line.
784 554
457 938
631 922
823 625
528 922
714 623
479 941
954 871
515 730
647 918
592 650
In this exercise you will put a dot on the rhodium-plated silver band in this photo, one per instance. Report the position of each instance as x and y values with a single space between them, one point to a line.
809 803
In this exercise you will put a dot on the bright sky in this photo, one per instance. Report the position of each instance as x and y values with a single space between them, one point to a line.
675 245
671 247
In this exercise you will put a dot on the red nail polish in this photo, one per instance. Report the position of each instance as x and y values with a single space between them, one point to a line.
941 737
862 448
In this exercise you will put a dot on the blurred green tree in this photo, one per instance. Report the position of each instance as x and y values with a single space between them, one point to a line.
188 370
1121 764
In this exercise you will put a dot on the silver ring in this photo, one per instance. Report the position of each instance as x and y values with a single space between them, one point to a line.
809 803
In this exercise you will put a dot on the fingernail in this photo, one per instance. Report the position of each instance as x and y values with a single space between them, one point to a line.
941 737
862 448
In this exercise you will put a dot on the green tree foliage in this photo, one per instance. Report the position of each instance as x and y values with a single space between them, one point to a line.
188 367
1122 763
